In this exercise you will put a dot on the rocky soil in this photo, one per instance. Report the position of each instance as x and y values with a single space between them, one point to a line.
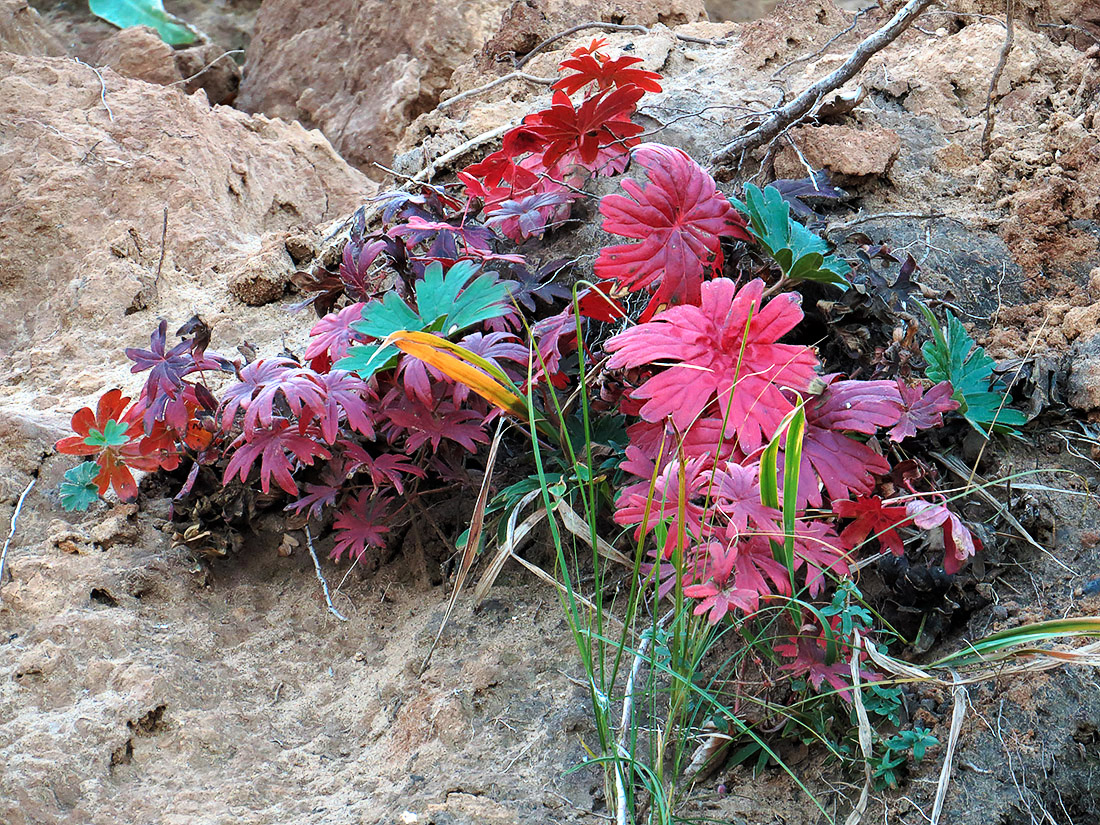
141 684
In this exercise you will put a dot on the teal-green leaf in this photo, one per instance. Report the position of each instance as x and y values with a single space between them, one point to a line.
126 13
953 356
79 489
799 253
385 317
366 359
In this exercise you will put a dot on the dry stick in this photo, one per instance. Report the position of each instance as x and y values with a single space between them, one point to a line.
163 248
492 84
321 577
613 27
428 172
207 66
102 88
628 714
11 531
785 117
987 133
828 43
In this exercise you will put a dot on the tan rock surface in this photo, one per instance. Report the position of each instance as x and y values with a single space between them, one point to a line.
139 53
85 176
360 71
22 30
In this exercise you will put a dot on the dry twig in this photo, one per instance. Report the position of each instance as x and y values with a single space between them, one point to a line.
209 65
321 577
102 88
786 116
492 84
987 133
11 531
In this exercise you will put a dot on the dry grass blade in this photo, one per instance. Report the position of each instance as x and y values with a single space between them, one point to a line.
865 733
516 534
957 716
980 488
579 528
546 577
473 539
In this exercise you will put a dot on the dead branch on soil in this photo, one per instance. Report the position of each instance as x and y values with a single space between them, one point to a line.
429 171
207 67
321 577
11 530
492 84
987 133
790 114
826 45
102 88
611 27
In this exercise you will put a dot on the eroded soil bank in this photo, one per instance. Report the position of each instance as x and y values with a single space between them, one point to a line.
140 682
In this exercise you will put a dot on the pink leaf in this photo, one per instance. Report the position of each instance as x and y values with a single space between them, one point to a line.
270 446
679 218
959 544
723 350
922 410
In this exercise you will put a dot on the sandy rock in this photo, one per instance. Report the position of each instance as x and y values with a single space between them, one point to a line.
23 31
261 278
85 176
359 71
1083 390
1082 322
850 153
528 22
139 53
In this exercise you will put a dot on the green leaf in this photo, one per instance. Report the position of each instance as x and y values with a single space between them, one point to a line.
800 254
367 359
126 13
953 356
446 302
385 317
456 299
79 489
113 435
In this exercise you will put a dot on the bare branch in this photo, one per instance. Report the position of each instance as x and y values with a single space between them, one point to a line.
492 84
611 27
11 532
321 577
783 118
987 133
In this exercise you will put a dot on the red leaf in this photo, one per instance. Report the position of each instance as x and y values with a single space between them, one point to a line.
871 519
724 349
361 524
605 73
270 445
594 135
679 218
922 410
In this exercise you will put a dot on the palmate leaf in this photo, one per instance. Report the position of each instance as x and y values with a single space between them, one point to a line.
126 13
79 489
446 302
800 253
953 356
